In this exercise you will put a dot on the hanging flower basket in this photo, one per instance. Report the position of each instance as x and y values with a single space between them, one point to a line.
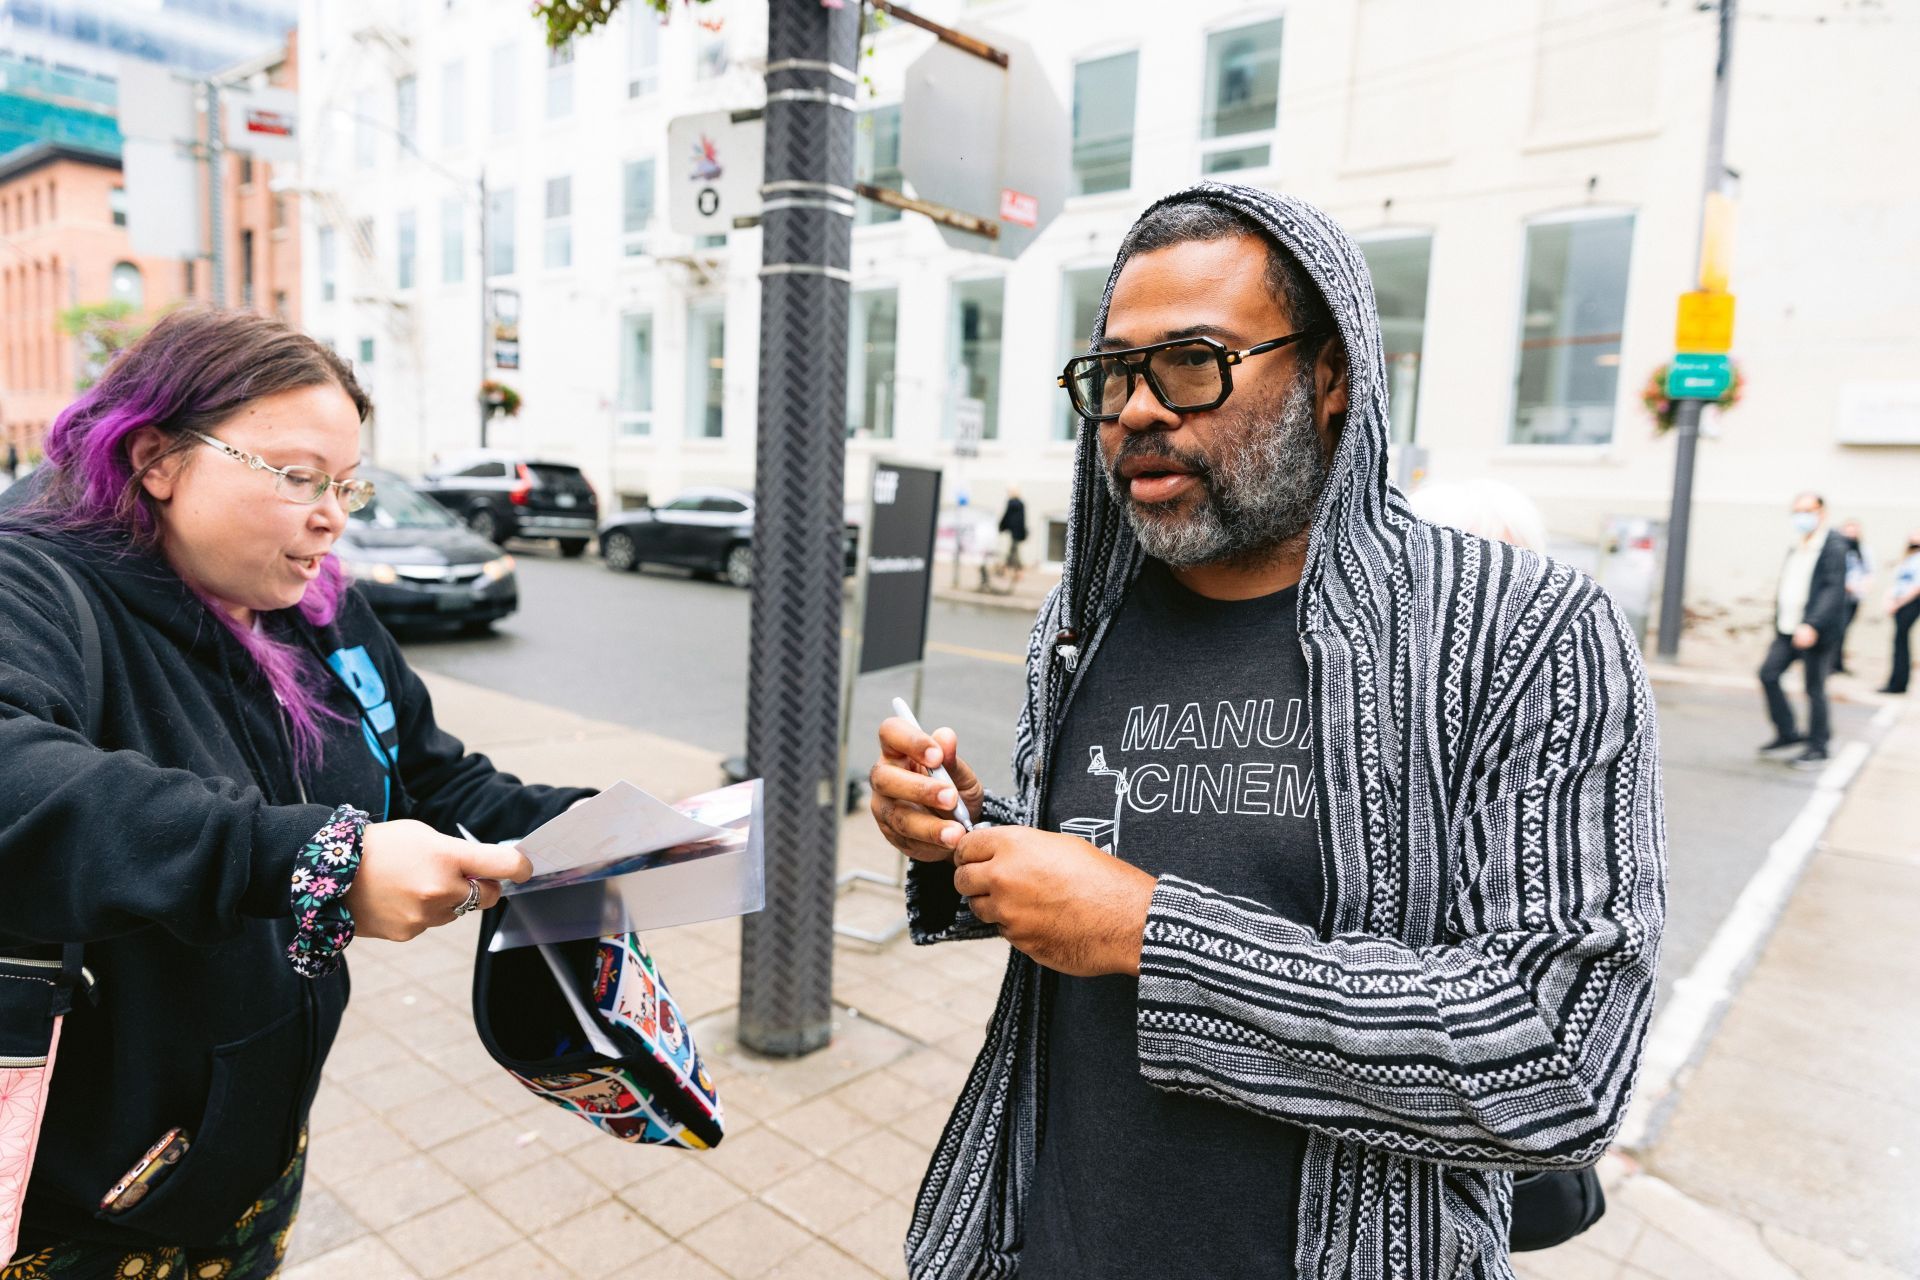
500 398
1660 406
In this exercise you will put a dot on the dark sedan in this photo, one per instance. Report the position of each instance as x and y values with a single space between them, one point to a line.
709 531
418 566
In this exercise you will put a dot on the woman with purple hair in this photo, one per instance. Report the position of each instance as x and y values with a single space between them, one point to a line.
265 782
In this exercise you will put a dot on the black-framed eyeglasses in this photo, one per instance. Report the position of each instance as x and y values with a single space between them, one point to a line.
303 485
1187 375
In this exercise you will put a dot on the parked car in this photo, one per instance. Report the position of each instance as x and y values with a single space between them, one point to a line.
707 530
505 495
417 565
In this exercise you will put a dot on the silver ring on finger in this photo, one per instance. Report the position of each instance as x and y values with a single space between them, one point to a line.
473 898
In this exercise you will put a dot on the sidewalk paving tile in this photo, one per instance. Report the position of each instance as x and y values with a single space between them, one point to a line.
826 1124
758 1159
325 1224
453 1236
519 1261
605 1239
549 1192
676 1262
884 1161
747 1240
366 1257
878 1237
680 1198
820 1261
389 1195
498 1150
821 1198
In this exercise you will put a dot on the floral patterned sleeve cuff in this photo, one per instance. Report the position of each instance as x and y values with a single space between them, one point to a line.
322 872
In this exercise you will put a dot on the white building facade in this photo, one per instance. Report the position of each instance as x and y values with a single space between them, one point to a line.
1526 179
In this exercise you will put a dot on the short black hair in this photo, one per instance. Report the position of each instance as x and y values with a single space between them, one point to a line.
1202 219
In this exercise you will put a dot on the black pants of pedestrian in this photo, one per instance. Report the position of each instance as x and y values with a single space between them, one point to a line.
1903 619
1815 663
1846 625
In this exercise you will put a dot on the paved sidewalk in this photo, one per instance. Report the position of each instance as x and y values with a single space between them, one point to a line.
1791 1154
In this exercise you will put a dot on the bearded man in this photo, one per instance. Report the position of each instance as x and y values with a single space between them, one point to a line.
1335 875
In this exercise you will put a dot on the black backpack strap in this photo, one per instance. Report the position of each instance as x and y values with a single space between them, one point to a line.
73 974
90 654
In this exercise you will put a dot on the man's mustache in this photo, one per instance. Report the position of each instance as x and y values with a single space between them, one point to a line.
1152 444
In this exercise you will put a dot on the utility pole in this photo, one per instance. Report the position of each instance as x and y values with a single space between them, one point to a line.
1686 414
486 321
216 181
786 950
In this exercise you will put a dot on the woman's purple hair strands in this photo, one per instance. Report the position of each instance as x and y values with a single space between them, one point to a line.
194 370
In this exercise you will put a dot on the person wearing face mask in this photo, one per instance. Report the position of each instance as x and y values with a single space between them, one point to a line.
212 802
1810 611
1903 603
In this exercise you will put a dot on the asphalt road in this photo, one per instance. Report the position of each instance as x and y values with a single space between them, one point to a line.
666 653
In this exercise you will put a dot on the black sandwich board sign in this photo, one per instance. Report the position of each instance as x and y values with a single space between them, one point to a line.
902 520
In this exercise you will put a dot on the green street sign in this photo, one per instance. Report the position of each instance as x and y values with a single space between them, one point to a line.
1693 376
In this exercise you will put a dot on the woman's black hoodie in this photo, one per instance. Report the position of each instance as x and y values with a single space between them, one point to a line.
167 847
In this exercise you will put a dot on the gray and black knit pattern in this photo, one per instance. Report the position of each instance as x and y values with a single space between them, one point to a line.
1494 848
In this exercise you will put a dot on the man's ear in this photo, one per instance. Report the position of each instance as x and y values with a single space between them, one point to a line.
145 449
1329 379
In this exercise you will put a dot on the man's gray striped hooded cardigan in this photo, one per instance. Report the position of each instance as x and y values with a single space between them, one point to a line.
1493 845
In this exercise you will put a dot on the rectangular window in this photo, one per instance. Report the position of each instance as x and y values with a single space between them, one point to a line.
643 51
870 341
636 204
1575 305
453 104
706 369
500 232
117 205
1103 97
973 351
1399 270
246 169
559 229
1080 294
246 268
876 159
366 351
1242 102
366 146
406 112
329 262
711 56
406 250
636 375
453 240
506 92
560 82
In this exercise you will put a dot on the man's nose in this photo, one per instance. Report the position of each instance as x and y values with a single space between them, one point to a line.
1143 410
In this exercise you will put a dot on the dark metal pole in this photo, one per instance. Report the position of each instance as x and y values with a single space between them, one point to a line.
786 950
486 322
1686 415
216 196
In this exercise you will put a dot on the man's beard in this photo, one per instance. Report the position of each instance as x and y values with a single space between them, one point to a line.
1257 496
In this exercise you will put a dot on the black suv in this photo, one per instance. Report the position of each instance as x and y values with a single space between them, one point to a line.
505 495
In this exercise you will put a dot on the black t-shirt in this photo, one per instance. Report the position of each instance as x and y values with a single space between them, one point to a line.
1186 751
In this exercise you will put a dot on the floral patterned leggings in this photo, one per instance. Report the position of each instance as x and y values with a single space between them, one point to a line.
251 1251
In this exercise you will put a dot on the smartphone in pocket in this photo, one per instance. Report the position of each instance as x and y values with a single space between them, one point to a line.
147 1173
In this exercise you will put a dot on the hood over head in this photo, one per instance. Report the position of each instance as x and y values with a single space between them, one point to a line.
1101 550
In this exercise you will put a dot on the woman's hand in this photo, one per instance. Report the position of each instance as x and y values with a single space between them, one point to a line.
411 878
913 810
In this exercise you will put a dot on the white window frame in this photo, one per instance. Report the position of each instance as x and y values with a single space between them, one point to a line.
1388 235
406 112
1269 137
949 428
552 223
453 103
511 196
560 82
631 423
1516 324
503 109
453 239
643 52
1133 126
633 241
406 257
702 305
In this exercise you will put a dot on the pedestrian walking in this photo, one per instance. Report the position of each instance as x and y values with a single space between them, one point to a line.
1810 608
1379 921
263 781
1859 578
1013 523
1903 603
12 461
